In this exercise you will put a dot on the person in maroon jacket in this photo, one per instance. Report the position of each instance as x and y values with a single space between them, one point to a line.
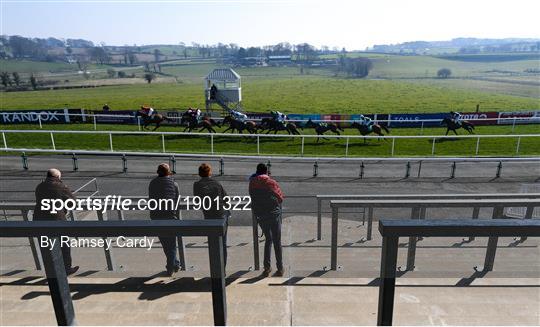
266 199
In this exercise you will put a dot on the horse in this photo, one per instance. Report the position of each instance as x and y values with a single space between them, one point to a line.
365 130
451 125
272 125
191 123
320 129
155 119
239 126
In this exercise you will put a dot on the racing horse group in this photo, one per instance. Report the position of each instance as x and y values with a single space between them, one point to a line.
193 122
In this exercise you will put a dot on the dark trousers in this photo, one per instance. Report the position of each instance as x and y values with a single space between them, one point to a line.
169 248
272 233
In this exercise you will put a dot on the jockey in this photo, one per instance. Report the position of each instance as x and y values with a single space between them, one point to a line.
238 115
456 117
148 111
278 116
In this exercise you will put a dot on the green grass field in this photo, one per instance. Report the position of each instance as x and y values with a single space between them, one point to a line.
284 146
308 94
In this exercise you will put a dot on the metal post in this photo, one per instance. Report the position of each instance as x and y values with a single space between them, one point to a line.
419 168
217 276
221 167
393 145
315 169
422 128
36 253
369 223
58 284
319 219
52 141
477 145
513 124
453 170
172 160
258 145
95 123
387 281
499 169
212 143
163 142
433 147
407 169
302 150
108 253
75 163
139 122
24 161
333 250
475 215
362 170
255 235
411 251
346 147
517 145
110 141
4 138
39 119
124 163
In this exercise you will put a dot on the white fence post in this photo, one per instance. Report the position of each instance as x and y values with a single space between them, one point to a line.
39 119
4 138
212 143
139 122
258 145
110 141
477 145
513 124
433 147
302 149
393 145
422 129
52 141
163 142
95 123
346 147
517 145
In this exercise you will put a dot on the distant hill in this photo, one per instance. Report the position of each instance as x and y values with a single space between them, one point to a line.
461 45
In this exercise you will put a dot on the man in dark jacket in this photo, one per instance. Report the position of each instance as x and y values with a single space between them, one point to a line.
53 188
207 186
266 199
163 187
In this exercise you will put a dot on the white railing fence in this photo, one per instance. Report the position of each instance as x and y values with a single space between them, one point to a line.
256 139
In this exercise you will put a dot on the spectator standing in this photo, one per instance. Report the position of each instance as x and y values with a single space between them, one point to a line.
266 199
53 188
164 187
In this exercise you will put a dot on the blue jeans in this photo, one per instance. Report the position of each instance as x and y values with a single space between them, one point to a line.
170 250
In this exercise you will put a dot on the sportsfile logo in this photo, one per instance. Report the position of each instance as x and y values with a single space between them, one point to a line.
117 202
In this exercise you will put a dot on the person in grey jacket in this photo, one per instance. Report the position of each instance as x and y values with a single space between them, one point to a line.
164 187
207 186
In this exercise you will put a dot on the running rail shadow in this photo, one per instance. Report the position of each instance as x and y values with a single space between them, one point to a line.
53 262
391 230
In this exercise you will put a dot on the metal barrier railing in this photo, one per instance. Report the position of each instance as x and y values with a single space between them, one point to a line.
321 198
53 262
418 211
391 230
26 207
257 137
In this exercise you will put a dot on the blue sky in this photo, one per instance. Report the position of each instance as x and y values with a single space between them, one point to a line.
352 24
